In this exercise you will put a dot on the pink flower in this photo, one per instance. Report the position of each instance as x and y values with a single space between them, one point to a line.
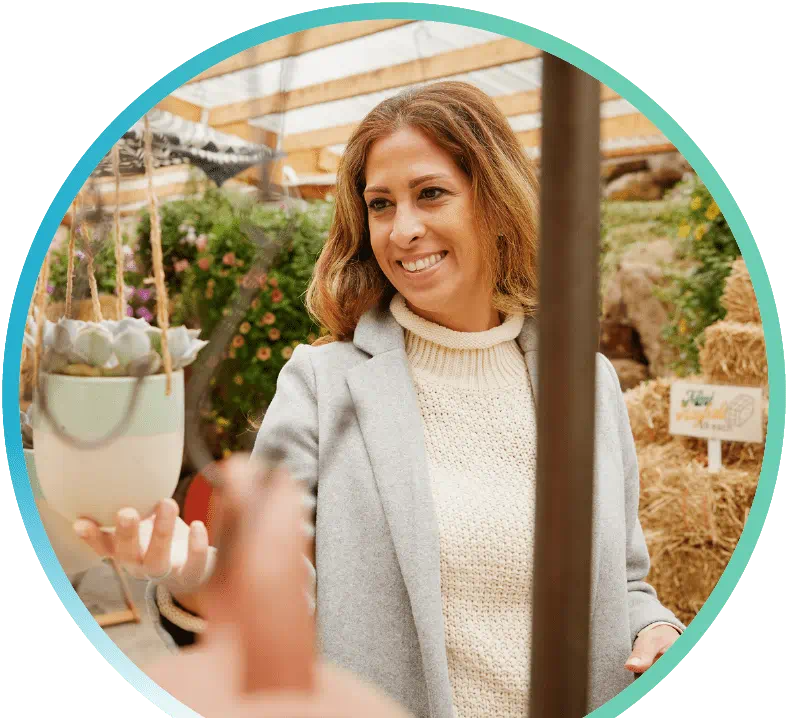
181 266
129 311
287 352
204 263
274 334
201 243
277 296
229 259
264 353
273 281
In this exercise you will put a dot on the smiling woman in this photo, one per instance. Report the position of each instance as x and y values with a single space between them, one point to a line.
435 171
413 427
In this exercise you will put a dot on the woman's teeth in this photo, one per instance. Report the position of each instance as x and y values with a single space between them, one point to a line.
422 264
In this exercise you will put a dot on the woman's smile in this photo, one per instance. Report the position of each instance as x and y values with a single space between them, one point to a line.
421 265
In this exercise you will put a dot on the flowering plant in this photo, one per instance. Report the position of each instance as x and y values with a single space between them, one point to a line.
707 240
275 322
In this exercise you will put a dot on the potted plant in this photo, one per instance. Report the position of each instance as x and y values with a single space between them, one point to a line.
107 433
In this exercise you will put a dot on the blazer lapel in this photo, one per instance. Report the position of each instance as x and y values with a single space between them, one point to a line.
387 408
529 342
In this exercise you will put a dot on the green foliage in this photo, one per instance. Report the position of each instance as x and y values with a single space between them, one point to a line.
705 238
277 320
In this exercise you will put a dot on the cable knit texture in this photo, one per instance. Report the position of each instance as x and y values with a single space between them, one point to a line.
480 430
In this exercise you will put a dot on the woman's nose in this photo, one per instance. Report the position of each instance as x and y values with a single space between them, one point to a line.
407 227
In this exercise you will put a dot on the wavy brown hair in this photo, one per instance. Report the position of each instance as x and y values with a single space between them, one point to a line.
466 123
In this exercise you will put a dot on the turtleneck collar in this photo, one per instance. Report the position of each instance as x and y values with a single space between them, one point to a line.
477 360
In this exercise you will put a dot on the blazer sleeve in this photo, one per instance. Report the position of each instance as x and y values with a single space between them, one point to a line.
291 424
644 606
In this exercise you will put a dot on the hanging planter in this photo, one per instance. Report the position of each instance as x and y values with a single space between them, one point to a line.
108 424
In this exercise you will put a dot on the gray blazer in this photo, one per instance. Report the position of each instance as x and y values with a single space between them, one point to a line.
379 607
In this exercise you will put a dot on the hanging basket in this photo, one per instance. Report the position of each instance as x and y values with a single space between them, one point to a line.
137 469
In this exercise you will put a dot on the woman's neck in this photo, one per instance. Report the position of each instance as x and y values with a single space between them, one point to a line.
473 318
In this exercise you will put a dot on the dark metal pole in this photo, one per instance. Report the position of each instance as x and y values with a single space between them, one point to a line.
568 316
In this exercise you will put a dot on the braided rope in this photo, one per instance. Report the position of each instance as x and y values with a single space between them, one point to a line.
41 305
72 236
183 619
120 289
162 312
94 292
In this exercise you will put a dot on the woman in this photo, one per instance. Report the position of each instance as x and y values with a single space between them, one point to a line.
417 425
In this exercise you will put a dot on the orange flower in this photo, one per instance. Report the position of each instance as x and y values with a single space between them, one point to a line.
274 334
262 280
238 379
268 318
204 263
274 282
264 353
238 341
231 353
209 293
277 296
255 304
229 259
287 352
244 328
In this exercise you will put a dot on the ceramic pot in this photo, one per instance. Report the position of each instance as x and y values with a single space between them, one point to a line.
137 469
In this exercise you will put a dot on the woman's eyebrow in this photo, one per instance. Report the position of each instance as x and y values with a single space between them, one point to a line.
413 183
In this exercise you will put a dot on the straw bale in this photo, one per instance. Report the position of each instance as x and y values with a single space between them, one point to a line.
692 521
734 353
739 296
648 406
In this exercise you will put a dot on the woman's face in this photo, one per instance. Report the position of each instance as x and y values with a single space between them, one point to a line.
422 229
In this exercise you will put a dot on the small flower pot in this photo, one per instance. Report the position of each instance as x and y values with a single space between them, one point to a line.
137 469
73 554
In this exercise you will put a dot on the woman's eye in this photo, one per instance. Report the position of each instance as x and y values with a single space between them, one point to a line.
376 205
432 193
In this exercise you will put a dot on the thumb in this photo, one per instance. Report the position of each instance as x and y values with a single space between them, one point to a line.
641 658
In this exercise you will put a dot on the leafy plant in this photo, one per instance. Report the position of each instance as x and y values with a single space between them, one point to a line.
706 238
275 322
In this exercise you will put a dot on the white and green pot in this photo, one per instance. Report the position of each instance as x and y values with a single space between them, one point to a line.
72 553
138 469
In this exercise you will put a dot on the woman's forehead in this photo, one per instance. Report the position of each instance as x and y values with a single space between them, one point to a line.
406 155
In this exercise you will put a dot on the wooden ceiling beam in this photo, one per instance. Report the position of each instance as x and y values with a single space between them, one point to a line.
297 44
468 59
181 108
626 126
518 103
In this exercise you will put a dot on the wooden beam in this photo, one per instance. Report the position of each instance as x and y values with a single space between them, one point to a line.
138 195
518 103
251 133
297 44
633 125
181 108
468 59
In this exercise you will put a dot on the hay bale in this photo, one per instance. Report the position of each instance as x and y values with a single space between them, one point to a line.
692 521
648 406
734 353
739 296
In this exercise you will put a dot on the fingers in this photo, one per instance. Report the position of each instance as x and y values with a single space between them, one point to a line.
157 558
127 538
94 537
194 568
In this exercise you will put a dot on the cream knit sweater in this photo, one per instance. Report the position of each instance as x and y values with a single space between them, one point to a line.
480 429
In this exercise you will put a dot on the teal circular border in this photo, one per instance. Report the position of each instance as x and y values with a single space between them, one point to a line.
394 11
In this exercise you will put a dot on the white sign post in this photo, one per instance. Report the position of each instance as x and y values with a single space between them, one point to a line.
716 412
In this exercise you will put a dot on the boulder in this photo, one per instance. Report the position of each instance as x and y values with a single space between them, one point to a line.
630 372
633 186
613 169
668 170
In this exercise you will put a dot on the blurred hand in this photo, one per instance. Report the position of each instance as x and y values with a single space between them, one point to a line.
650 646
161 548
257 657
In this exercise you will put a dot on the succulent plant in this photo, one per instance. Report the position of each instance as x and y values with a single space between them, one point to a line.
125 347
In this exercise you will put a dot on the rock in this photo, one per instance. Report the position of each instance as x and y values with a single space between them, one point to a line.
613 169
630 372
668 170
633 186
630 302
620 341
